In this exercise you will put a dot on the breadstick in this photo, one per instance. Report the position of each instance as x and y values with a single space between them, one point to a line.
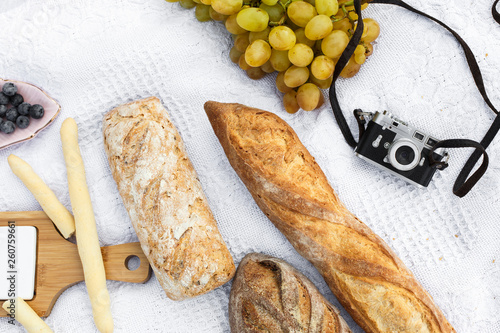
25 315
86 231
54 209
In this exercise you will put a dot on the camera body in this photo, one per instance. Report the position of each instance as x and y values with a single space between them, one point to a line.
403 150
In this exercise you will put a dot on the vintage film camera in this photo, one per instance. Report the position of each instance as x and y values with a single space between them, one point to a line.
403 150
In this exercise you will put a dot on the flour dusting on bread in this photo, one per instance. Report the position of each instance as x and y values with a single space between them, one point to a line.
165 200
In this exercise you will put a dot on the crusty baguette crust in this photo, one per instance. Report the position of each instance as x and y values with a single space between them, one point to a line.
367 277
165 200
270 295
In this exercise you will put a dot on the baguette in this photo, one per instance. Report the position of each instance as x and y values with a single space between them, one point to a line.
269 295
165 201
366 276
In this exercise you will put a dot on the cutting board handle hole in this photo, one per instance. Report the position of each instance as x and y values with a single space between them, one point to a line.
132 262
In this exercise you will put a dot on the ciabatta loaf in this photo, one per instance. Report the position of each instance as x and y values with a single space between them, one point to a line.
269 295
367 277
164 199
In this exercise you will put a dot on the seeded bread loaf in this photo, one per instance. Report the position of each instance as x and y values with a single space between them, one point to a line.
164 199
367 277
269 295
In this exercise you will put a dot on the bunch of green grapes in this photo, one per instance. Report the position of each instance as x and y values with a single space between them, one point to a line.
300 39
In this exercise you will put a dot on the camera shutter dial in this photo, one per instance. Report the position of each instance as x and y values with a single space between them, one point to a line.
404 155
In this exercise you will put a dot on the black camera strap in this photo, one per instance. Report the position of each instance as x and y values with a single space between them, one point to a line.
463 183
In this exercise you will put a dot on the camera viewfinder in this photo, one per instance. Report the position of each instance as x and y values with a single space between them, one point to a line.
418 136
431 142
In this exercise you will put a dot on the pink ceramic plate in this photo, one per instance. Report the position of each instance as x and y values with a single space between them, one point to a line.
32 95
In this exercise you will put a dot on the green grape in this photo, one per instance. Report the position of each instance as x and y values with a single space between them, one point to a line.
280 83
290 102
322 67
253 19
308 96
232 26
300 55
206 2
264 35
317 46
365 30
351 69
373 30
257 53
235 54
318 27
359 54
282 38
312 2
289 23
215 15
267 67
334 44
296 76
279 60
275 12
241 42
202 13
227 7
188 4
301 12
369 50
172 1
255 73
270 2
322 84
242 63
327 7
345 25
360 58
300 35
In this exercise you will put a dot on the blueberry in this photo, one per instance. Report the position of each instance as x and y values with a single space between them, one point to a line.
16 100
36 111
3 110
24 109
12 114
7 127
4 99
9 89
22 121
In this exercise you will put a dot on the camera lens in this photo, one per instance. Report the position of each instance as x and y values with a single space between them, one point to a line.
405 155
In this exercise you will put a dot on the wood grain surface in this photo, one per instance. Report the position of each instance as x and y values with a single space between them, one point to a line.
58 265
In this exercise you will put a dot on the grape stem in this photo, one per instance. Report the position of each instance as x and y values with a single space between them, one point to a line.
283 18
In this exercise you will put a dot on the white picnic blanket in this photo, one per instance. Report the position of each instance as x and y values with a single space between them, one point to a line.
93 55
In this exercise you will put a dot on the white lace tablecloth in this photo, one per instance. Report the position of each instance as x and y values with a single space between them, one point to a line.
93 55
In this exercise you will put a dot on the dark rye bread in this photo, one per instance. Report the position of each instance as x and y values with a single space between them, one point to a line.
269 295
367 277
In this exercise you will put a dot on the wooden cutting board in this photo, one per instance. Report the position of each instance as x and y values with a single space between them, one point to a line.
58 264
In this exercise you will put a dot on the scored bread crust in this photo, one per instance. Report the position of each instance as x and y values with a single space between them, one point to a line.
367 277
270 295
164 199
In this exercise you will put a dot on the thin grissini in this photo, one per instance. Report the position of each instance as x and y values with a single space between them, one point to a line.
86 230
24 314
54 209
